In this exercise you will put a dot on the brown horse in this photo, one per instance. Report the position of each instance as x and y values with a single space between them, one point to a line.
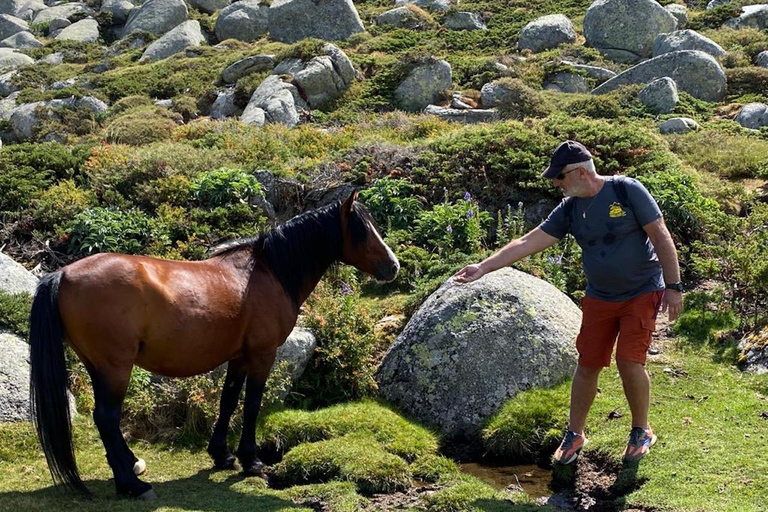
180 319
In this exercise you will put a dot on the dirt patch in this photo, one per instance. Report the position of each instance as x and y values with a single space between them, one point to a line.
411 499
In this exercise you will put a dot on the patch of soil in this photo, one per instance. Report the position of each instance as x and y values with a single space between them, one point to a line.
410 499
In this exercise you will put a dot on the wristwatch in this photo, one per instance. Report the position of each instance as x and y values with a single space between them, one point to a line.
678 286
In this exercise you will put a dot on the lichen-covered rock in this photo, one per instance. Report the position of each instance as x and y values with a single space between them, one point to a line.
762 59
567 82
492 93
753 116
156 17
752 16
209 6
628 25
14 378
11 59
463 115
246 66
329 20
247 21
694 72
678 125
660 96
86 31
21 40
174 41
599 74
402 17
275 100
14 278
546 32
430 5
65 10
422 85
10 25
471 347
680 12
753 349
461 20
686 40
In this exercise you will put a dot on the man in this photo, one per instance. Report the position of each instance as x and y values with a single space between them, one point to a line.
631 265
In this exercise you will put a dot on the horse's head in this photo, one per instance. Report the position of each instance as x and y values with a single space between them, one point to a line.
363 247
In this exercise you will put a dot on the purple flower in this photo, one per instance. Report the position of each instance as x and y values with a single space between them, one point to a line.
449 228
555 260
346 289
467 196
520 205
470 213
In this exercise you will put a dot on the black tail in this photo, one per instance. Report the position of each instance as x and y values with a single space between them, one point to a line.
48 384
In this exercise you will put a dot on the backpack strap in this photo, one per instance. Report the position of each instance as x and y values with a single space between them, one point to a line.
568 206
620 187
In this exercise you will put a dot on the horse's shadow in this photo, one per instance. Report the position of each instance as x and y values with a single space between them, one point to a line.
236 493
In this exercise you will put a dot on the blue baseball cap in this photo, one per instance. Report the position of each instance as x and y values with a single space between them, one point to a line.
569 152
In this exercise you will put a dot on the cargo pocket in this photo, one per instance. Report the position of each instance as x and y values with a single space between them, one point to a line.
648 324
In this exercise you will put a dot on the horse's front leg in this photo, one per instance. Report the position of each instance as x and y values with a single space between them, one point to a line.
230 394
259 366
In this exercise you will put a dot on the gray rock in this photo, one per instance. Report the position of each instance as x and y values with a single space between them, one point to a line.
716 3
753 349
279 101
11 59
63 84
86 31
7 106
294 355
621 56
694 72
21 40
6 83
11 7
762 59
174 41
492 93
422 85
567 82
30 9
10 25
546 32
678 125
14 278
471 347
752 16
322 79
209 6
465 21
254 115
25 120
65 10
680 12
660 96
599 74
329 20
156 17
92 103
246 66
463 115
629 25
753 116
58 24
247 21
14 378
685 40
224 105
120 9
54 59
401 17
430 5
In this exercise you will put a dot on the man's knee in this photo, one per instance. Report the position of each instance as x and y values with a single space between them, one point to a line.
627 367
588 372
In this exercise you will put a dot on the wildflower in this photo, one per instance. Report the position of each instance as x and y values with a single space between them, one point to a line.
467 196
346 289
449 228
520 205
470 213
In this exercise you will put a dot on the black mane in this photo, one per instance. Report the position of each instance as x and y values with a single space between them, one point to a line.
305 246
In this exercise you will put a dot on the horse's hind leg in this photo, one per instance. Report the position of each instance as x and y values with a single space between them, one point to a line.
109 389
230 394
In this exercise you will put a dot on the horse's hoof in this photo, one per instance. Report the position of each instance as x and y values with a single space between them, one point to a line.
228 462
139 467
255 469
147 495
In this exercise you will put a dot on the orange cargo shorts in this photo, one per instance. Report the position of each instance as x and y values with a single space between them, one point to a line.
633 320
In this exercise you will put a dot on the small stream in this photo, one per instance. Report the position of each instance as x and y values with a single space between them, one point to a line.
533 479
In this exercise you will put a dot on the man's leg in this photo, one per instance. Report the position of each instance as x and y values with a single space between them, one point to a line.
637 389
583 391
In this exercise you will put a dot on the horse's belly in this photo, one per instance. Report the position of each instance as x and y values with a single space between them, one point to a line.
186 355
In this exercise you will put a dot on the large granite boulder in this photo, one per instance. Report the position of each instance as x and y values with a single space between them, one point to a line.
422 85
493 93
14 378
694 72
471 347
660 96
246 66
546 32
678 125
686 40
430 5
753 116
275 100
247 21
293 356
567 82
11 7
329 20
463 115
403 17
680 12
119 9
174 41
752 16
321 79
464 20
10 25
599 74
67 10
85 31
25 118
156 17
21 40
14 278
629 26
209 6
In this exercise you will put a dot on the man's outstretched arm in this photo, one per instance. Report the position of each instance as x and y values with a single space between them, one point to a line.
531 243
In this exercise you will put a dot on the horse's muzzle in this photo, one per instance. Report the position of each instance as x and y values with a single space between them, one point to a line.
388 272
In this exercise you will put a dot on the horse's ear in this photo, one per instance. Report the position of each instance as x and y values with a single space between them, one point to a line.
349 204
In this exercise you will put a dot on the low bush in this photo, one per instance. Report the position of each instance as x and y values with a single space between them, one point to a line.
225 187
393 203
722 154
141 126
60 203
110 230
750 80
523 101
453 227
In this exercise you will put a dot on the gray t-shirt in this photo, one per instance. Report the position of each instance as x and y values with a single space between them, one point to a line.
618 258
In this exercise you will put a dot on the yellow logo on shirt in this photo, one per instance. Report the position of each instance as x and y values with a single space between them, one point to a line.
616 211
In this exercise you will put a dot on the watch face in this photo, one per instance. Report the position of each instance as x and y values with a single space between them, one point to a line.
678 287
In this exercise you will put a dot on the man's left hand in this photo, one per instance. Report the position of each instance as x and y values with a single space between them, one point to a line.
672 304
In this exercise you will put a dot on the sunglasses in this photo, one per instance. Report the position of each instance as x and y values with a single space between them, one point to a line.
561 176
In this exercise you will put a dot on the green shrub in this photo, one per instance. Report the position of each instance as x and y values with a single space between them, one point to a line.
722 154
141 126
283 430
110 230
14 312
525 424
523 101
128 103
355 458
392 203
58 159
224 187
747 81
453 227
60 203
19 186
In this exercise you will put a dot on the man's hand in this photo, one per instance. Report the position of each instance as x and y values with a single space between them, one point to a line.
468 274
672 304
